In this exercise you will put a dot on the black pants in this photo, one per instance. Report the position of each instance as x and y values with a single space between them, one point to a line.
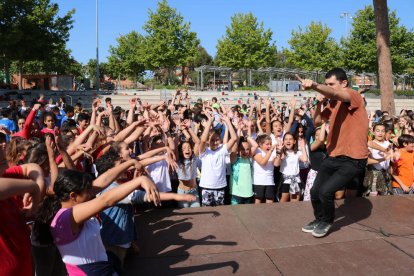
334 174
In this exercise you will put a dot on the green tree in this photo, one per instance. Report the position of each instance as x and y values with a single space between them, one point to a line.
59 61
90 70
32 31
126 59
202 58
246 44
169 42
360 49
313 48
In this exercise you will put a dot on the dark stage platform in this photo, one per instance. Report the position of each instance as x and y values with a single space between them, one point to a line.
372 236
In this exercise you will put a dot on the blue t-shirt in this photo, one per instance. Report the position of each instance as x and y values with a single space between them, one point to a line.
117 227
9 125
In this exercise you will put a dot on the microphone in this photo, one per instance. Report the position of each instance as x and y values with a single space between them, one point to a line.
325 101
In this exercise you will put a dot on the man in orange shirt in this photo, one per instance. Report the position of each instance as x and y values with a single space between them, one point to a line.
346 145
402 170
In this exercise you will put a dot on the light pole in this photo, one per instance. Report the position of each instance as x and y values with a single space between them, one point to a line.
346 15
97 50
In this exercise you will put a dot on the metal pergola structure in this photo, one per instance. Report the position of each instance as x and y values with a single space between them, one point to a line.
211 69
283 74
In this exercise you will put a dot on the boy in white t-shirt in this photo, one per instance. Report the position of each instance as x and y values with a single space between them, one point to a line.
213 157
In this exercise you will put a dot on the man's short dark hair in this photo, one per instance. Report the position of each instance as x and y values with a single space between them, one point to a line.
339 73
108 99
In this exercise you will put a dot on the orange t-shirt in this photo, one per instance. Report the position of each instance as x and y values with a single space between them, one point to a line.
403 168
348 127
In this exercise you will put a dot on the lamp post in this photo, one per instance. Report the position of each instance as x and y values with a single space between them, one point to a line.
346 15
97 50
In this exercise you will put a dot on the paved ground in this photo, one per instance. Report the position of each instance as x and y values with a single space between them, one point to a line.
370 237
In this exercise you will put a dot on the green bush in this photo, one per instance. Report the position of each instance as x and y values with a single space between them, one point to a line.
252 88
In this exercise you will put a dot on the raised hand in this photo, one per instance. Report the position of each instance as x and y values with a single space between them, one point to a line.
307 84
49 143
36 107
293 102
301 144
132 103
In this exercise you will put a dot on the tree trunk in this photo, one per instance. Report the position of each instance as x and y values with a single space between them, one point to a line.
183 75
20 75
384 56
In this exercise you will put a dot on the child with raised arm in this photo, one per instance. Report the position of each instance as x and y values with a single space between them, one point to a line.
117 225
241 178
288 160
377 179
188 164
71 214
263 169
213 157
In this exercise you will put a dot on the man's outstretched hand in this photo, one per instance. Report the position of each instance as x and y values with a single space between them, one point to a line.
306 83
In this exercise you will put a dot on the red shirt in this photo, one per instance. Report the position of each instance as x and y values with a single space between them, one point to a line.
15 247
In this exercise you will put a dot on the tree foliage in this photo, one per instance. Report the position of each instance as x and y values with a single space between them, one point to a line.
32 29
90 69
313 48
202 58
126 59
246 44
360 51
168 42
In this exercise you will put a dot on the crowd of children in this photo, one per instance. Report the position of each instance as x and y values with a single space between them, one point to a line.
71 176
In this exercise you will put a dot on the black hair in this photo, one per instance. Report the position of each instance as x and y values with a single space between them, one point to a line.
339 73
297 131
106 161
82 117
69 108
6 112
68 125
67 182
405 139
46 114
108 99
55 109
2 137
153 140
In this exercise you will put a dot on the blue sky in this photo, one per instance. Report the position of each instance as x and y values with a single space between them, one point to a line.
210 18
